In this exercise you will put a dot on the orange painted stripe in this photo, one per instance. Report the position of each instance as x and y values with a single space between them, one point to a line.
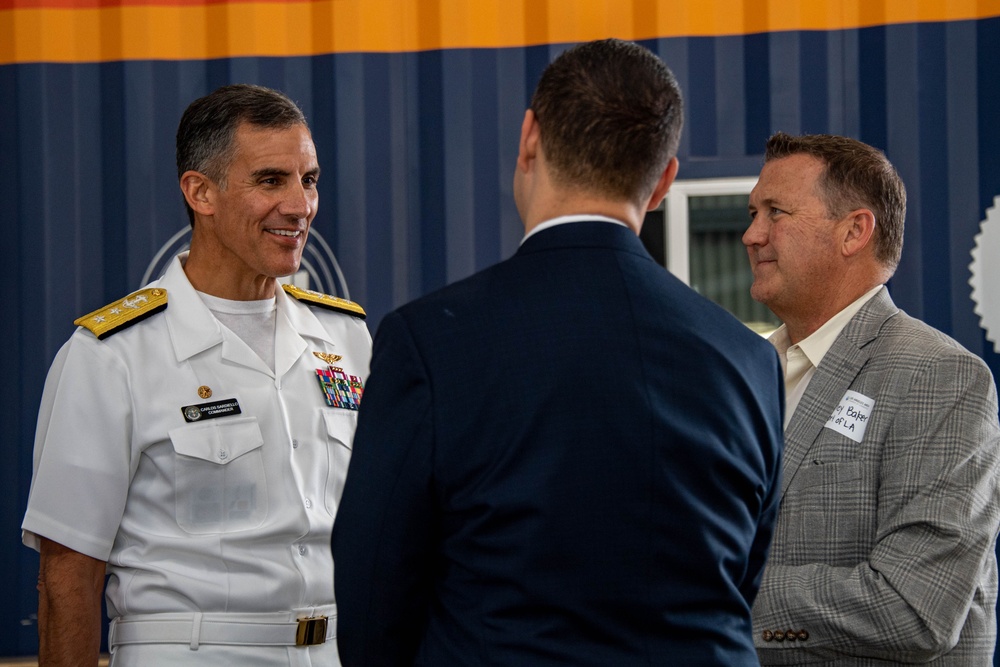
97 4
107 30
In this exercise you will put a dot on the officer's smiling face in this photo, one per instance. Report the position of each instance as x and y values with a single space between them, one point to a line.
262 216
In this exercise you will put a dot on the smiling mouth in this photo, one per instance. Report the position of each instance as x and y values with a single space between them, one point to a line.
284 232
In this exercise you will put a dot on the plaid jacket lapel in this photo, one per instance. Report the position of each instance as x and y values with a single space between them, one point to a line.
838 370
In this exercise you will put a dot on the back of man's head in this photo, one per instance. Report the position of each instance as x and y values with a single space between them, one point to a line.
206 134
610 114
856 176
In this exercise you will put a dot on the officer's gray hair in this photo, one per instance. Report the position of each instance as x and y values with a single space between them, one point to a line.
207 131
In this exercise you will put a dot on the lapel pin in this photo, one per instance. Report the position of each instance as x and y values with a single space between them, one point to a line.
204 391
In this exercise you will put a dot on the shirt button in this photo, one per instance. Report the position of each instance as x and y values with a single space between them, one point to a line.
223 455
302 550
309 504
295 444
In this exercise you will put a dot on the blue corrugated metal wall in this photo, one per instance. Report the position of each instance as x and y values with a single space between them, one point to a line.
417 153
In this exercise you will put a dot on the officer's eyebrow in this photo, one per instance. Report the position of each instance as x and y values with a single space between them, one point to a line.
269 171
276 171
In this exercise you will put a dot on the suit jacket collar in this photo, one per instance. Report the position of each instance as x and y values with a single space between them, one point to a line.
585 234
838 370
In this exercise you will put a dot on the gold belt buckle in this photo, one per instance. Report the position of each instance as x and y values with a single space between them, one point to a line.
311 631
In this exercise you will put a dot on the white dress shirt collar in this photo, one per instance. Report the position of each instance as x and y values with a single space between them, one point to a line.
799 362
564 219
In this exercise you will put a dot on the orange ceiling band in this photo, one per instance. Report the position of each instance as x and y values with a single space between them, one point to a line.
102 30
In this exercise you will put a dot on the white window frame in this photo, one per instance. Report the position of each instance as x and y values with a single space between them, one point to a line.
676 235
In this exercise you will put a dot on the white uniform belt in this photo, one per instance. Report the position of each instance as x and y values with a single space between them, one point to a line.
309 627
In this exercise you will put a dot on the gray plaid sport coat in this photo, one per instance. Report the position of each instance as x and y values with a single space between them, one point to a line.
883 551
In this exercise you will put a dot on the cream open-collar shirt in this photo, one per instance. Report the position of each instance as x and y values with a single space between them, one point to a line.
800 361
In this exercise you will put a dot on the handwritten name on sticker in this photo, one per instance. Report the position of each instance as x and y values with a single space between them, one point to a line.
850 418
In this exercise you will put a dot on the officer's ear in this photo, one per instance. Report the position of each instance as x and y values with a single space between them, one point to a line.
199 192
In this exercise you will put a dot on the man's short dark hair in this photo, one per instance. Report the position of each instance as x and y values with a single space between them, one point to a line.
856 176
206 134
610 114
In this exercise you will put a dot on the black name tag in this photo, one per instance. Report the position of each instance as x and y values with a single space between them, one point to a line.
202 411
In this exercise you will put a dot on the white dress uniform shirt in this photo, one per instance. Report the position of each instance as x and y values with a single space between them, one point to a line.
231 514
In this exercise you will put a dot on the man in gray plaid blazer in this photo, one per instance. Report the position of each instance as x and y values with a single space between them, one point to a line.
884 547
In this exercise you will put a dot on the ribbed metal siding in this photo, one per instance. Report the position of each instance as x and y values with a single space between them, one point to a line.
417 153
718 267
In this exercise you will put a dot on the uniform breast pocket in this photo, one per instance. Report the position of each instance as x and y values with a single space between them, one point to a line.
219 476
339 426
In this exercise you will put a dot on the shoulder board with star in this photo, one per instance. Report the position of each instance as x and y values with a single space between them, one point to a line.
124 313
325 301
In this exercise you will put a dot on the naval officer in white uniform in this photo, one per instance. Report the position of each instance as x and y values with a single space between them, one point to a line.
193 437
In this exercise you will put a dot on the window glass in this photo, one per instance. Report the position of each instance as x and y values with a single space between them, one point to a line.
697 234
718 263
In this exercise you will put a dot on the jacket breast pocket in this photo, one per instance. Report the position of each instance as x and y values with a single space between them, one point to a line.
826 515
219 479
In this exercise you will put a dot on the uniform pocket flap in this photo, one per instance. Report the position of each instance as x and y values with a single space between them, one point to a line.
340 425
218 441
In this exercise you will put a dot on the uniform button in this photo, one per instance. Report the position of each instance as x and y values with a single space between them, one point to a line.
309 504
767 635
779 636
803 635
302 550
295 444
223 455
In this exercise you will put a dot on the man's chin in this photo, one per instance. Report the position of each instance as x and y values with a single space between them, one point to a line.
760 294
286 270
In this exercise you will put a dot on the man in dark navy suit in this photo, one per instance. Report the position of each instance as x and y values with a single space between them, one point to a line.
569 458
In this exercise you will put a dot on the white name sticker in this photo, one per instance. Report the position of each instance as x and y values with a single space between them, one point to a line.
851 417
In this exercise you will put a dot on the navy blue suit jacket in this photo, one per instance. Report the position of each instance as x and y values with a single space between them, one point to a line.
569 458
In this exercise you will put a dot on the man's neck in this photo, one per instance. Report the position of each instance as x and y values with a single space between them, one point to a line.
801 326
208 275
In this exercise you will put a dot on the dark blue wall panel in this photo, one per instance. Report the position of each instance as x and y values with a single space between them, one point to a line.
960 132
